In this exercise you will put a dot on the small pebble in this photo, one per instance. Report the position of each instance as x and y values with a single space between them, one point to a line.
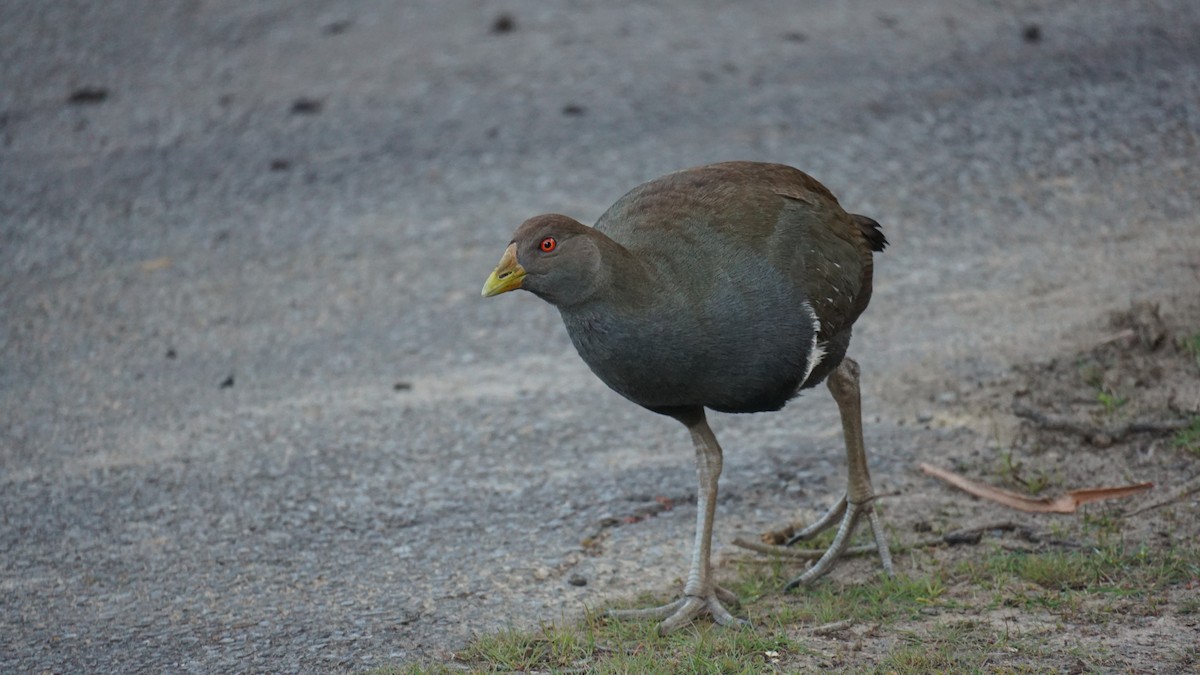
577 580
306 106
504 23
336 27
88 96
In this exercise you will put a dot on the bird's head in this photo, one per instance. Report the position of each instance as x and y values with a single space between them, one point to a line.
551 256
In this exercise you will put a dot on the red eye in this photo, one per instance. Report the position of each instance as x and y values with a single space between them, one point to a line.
548 244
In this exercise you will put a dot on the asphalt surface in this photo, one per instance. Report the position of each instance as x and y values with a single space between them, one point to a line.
254 415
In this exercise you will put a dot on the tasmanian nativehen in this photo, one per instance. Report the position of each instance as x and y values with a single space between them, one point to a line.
732 287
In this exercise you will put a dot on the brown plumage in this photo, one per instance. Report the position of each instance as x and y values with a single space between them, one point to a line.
731 287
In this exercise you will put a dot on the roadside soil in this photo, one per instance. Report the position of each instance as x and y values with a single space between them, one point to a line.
1144 375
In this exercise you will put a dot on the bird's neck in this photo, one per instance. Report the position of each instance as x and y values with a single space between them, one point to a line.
623 279
630 278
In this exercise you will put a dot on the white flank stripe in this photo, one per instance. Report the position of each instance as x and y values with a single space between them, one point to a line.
816 352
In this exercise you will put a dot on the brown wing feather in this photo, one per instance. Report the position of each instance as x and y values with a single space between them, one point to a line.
807 234
834 264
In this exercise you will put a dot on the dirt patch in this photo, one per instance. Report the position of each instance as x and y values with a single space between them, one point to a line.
1121 411
1115 585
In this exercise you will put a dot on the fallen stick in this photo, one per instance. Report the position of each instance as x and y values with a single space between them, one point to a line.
832 627
967 535
1096 435
972 535
797 553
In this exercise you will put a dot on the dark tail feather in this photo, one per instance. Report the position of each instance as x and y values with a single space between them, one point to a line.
871 231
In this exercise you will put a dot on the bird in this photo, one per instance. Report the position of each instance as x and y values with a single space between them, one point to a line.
729 287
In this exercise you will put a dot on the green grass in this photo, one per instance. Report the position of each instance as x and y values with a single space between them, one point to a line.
1189 606
1111 401
922 616
1188 439
1014 473
961 646
1081 585
1091 372
551 647
601 645
1191 345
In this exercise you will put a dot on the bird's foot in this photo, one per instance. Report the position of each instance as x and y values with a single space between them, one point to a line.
683 611
849 512
823 523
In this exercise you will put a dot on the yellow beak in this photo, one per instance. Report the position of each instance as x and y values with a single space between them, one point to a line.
507 276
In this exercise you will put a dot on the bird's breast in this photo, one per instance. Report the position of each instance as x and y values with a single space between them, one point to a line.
735 351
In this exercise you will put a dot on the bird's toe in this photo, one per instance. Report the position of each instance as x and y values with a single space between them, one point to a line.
681 612
853 512
662 612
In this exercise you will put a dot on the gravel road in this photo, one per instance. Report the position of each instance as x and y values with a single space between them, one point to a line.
254 415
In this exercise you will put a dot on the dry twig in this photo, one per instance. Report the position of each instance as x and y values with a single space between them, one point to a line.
967 535
797 553
1096 435
833 627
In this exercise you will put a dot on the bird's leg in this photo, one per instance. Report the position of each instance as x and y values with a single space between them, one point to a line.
700 594
859 498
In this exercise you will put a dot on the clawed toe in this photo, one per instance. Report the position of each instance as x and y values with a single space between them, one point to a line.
726 596
657 613
823 523
685 610
850 512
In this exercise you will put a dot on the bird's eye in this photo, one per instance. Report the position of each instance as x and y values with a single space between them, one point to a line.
548 244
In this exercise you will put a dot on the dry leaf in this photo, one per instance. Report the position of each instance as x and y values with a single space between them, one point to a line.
1067 503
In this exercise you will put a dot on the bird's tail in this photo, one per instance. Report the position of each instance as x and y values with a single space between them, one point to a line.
871 231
